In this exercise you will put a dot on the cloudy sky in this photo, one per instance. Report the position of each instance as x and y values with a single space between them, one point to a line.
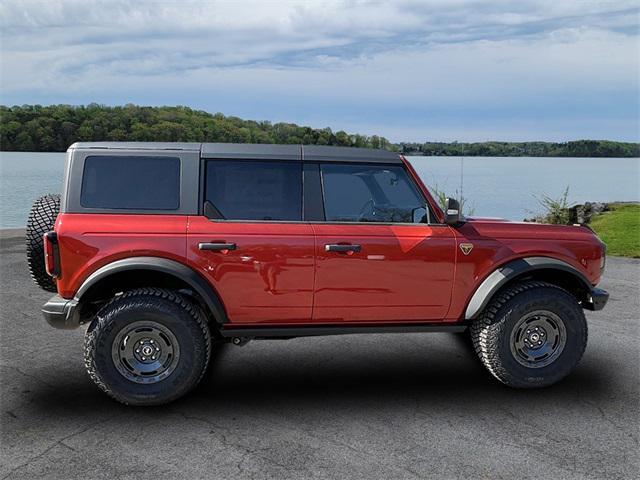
408 70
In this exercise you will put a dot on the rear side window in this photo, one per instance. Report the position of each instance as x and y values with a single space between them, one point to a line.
248 190
131 183
370 193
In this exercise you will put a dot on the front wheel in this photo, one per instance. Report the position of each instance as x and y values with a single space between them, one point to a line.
532 335
147 347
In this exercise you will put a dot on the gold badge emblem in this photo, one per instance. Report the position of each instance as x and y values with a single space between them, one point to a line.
466 248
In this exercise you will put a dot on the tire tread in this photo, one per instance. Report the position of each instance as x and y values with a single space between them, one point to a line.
487 330
148 294
42 218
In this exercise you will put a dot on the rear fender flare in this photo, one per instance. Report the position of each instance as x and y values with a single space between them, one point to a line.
164 265
511 270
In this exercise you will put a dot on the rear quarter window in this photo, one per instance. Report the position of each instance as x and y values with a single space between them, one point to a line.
131 182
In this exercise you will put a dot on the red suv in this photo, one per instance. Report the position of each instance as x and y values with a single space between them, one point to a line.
165 248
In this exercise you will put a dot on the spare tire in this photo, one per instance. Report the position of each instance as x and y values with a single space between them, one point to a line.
41 220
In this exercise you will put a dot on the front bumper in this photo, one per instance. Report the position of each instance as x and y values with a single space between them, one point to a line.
61 313
597 299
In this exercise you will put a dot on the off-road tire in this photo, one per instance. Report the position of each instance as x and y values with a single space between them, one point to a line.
41 220
492 333
186 322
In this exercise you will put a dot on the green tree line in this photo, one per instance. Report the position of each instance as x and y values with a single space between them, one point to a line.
53 128
578 148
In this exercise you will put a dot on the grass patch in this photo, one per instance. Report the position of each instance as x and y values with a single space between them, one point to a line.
620 229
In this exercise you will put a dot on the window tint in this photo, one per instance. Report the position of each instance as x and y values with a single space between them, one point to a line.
370 193
131 182
247 190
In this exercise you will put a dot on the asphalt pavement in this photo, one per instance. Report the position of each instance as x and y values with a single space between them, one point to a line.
350 407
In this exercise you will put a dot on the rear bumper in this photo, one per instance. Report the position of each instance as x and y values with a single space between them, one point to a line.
61 313
597 299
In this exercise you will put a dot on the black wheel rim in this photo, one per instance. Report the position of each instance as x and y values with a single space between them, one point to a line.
538 339
145 352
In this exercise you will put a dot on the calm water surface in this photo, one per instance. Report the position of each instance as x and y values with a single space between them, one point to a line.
495 186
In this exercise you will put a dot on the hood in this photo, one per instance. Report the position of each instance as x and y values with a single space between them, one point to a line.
486 219
502 228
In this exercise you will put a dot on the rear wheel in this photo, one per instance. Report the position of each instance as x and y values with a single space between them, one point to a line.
147 347
41 220
532 335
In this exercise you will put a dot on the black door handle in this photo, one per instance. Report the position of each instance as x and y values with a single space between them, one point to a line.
217 246
342 248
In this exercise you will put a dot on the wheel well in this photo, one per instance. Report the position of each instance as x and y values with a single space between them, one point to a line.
562 278
545 269
106 288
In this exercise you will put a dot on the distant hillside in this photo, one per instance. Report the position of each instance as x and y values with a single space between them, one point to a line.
53 128
578 148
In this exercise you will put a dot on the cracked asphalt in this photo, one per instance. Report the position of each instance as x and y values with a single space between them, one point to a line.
356 407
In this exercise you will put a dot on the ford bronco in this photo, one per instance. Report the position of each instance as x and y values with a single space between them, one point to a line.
163 249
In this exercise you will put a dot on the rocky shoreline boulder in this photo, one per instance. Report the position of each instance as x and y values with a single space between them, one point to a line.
582 213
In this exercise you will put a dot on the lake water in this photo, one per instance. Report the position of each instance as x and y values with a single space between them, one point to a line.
495 186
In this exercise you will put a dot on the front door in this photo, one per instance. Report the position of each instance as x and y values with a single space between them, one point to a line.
376 259
251 243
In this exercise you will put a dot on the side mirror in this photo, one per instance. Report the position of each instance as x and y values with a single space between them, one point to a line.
452 211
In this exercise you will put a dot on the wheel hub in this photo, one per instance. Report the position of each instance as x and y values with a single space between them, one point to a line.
538 339
145 352
535 337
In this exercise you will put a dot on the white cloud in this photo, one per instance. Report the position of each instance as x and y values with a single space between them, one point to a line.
330 62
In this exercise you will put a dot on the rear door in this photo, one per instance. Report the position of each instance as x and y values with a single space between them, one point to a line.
378 258
251 243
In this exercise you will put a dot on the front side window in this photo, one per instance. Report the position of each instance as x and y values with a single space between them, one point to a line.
131 182
370 193
252 190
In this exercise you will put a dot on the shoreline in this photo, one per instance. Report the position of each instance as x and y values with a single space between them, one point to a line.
12 233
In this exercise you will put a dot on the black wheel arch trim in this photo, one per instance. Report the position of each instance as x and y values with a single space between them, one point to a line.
511 270
164 265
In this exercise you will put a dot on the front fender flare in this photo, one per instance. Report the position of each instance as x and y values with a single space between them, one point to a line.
164 265
502 275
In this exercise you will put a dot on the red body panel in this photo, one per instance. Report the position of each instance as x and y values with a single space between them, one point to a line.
89 241
267 279
402 273
496 242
